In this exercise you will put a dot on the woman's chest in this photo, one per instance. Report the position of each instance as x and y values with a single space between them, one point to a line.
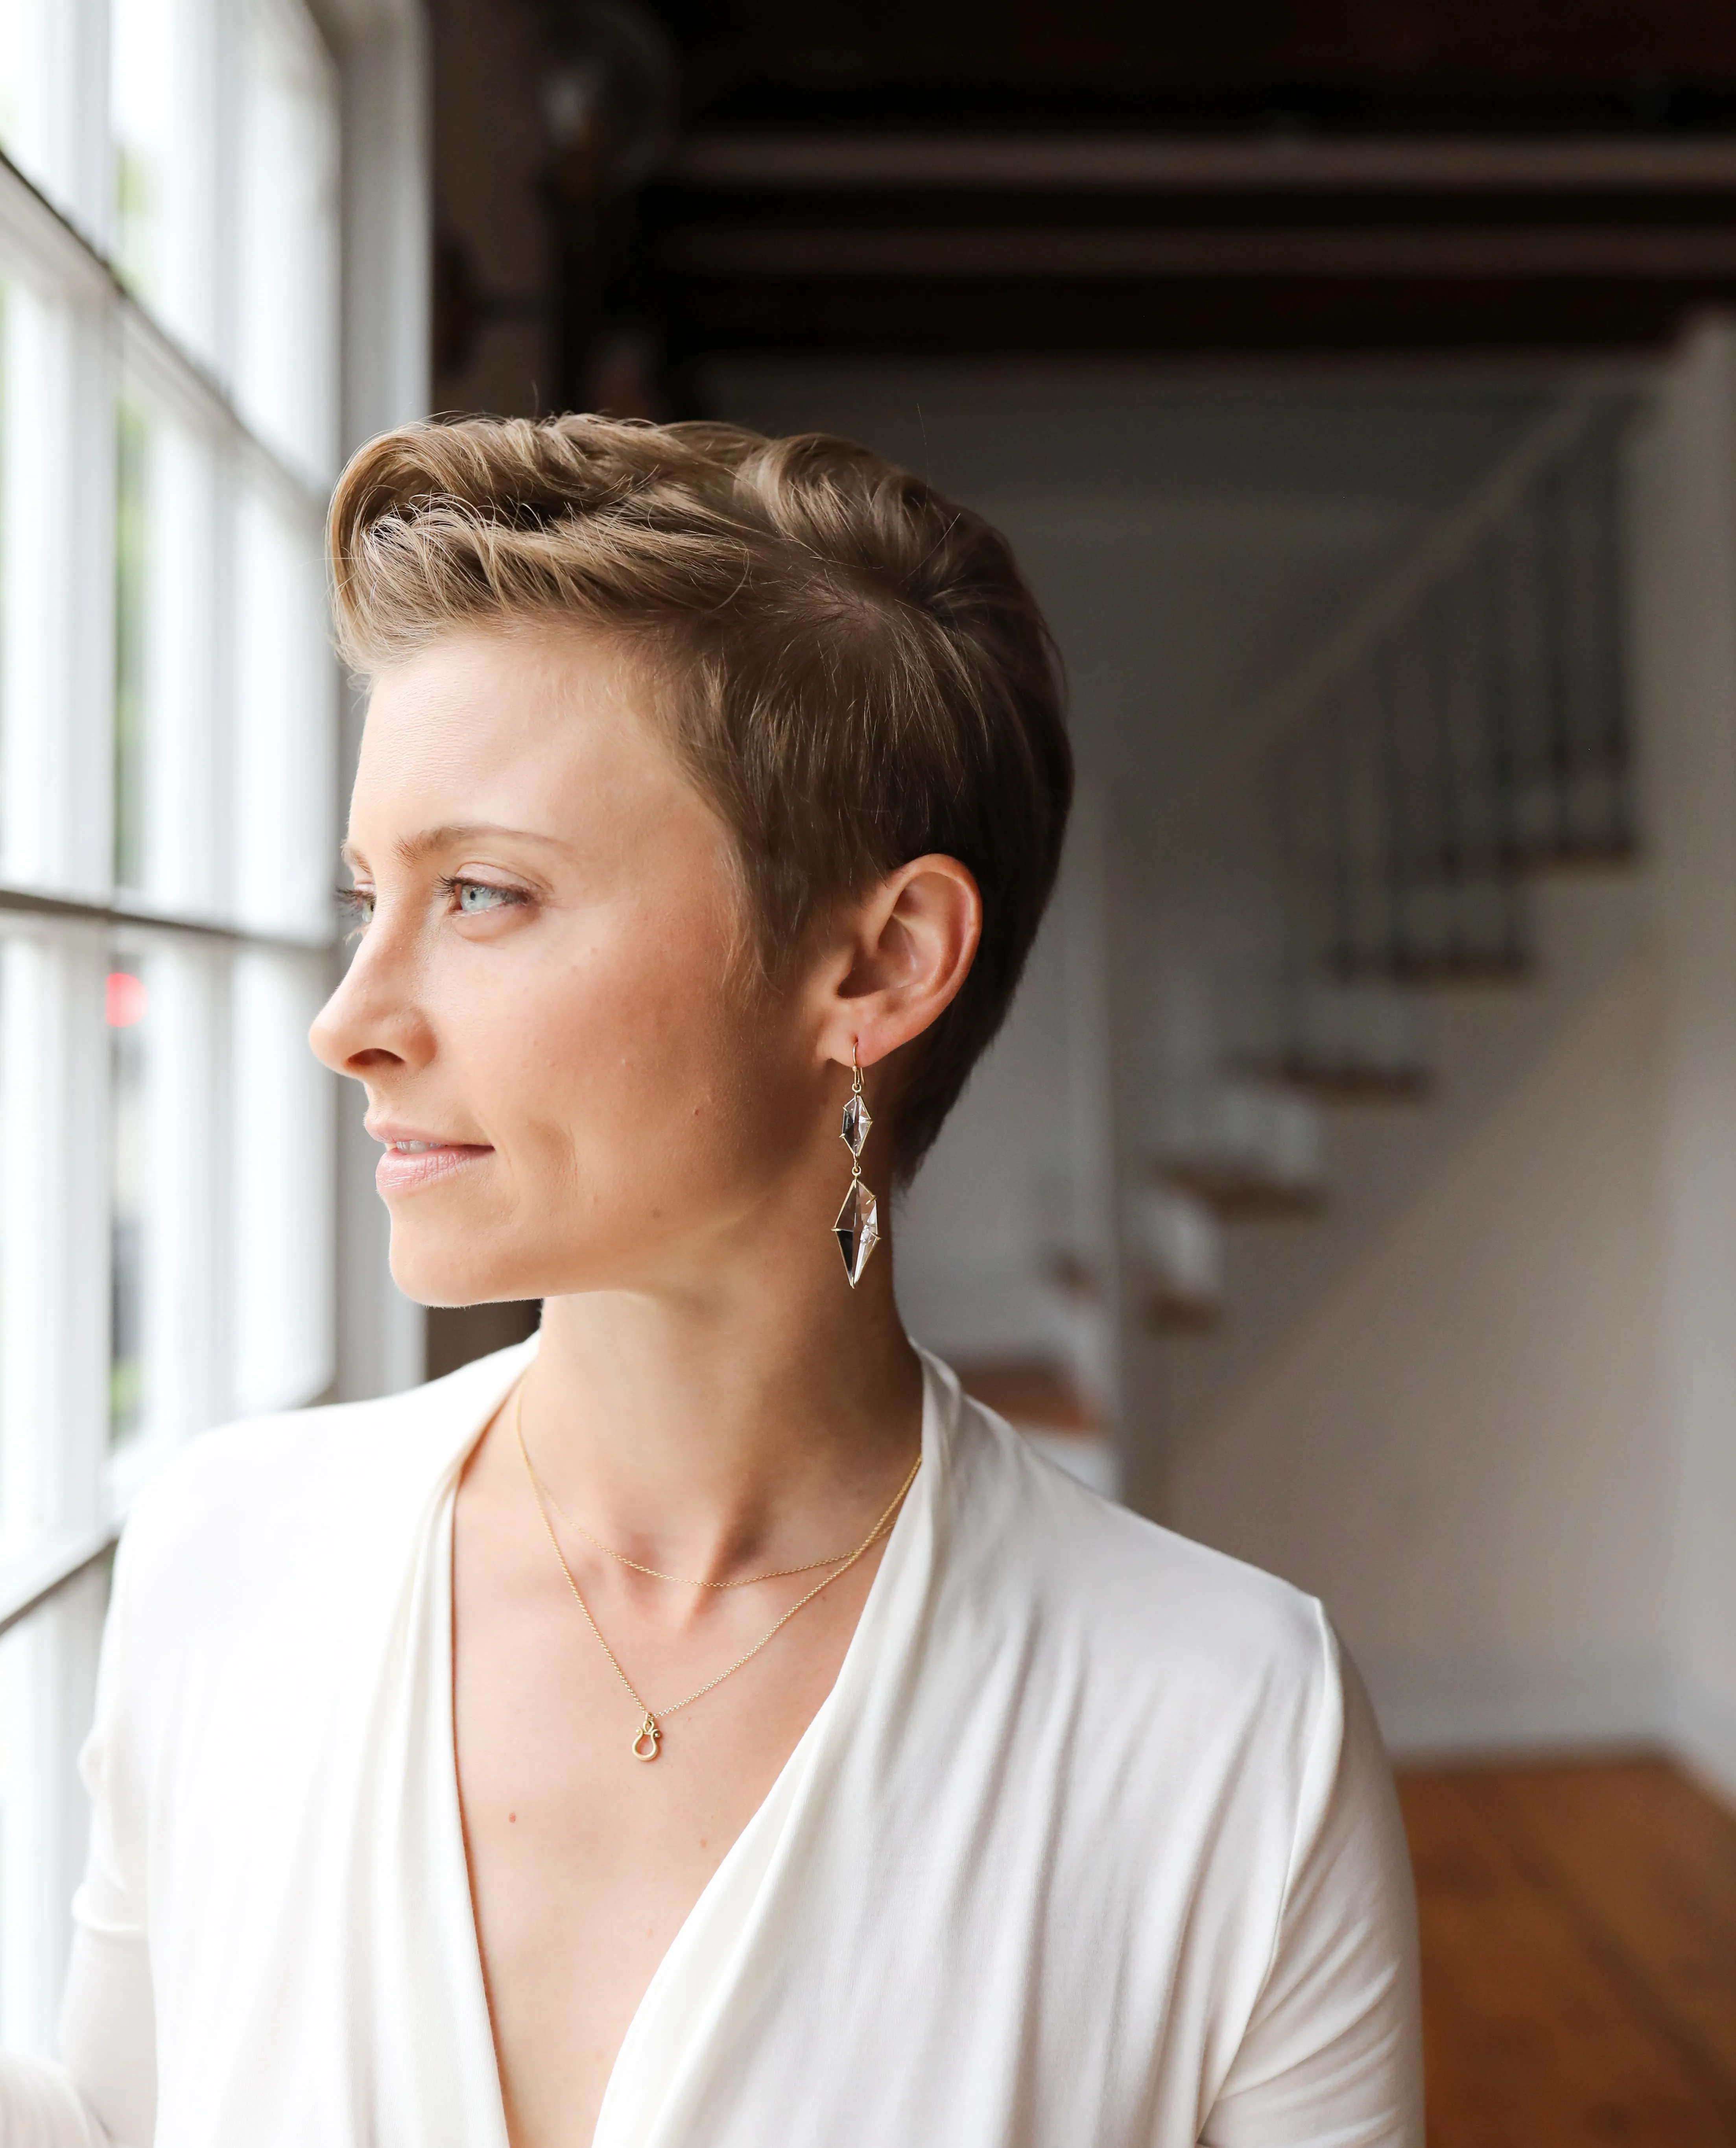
952 1932
585 1860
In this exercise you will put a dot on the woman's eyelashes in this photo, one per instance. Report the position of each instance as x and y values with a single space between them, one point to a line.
489 896
356 904
466 898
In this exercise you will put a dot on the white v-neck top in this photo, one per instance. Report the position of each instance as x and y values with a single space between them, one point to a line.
1093 1843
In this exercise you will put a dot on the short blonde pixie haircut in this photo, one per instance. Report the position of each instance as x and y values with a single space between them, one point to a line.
850 667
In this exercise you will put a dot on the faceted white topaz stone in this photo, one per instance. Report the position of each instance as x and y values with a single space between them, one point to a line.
854 1131
857 1229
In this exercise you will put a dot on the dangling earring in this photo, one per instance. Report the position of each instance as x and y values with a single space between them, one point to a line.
857 1229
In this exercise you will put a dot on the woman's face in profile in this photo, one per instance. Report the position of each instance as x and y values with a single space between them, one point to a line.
548 984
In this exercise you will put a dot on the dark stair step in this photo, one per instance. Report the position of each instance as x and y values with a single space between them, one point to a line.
1181 1313
1344 1081
1237 1191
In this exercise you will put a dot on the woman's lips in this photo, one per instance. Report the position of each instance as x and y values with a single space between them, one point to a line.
399 1171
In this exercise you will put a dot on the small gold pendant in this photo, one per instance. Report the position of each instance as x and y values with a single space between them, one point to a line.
650 1733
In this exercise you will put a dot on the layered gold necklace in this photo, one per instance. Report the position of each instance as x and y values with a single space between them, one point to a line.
648 1739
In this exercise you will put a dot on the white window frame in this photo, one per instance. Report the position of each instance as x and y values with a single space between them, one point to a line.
384 54
54 1409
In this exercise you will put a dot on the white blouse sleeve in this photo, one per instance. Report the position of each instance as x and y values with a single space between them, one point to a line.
1332 2053
103 2091
41 2108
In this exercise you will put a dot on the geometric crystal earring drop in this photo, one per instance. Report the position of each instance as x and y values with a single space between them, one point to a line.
857 1229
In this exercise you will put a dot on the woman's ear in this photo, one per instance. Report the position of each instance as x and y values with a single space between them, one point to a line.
906 947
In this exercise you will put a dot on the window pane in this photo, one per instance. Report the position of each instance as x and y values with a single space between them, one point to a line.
284 1185
47 1683
132 623
127 1009
164 117
287 358
53 822
285 725
25 658
35 55
13 1468
166 780
14 65
8 511
53 1262
25 1676
160 1006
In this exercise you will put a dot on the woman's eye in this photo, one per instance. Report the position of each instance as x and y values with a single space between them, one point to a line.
476 898
356 904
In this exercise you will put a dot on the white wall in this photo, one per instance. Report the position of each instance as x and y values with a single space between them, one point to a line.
1455 1432
1187 535
1485 1405
1685 501
1489 1414
998 1187
1024 1171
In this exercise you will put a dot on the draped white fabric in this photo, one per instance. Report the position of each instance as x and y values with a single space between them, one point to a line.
1092 1844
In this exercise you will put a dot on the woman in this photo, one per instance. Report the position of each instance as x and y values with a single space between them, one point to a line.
700 1724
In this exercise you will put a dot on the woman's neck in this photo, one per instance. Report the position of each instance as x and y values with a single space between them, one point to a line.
710 1433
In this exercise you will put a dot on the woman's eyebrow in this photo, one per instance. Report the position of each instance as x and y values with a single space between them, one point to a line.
410 848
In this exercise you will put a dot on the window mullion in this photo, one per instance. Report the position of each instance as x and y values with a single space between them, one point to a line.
87 802
80 1328
59 486
88 171
54 1282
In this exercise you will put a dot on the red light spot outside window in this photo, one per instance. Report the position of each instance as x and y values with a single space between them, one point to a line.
123 999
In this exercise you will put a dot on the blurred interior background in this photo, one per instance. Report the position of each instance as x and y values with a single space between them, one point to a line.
1354 1185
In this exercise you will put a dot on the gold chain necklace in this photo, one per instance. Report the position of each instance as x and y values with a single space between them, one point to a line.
656 1573
651 1720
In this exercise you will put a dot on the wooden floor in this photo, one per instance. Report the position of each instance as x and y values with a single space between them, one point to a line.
1578 1956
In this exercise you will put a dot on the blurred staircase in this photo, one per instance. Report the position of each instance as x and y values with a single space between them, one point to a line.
1376 836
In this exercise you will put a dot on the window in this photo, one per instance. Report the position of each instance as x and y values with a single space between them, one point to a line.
170 412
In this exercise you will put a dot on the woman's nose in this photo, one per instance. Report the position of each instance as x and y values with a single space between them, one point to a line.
374 1018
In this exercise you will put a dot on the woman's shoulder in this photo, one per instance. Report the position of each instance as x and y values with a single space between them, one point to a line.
1094 1576
270 1487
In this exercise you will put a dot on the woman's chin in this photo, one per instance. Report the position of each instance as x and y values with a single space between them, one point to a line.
447 1276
